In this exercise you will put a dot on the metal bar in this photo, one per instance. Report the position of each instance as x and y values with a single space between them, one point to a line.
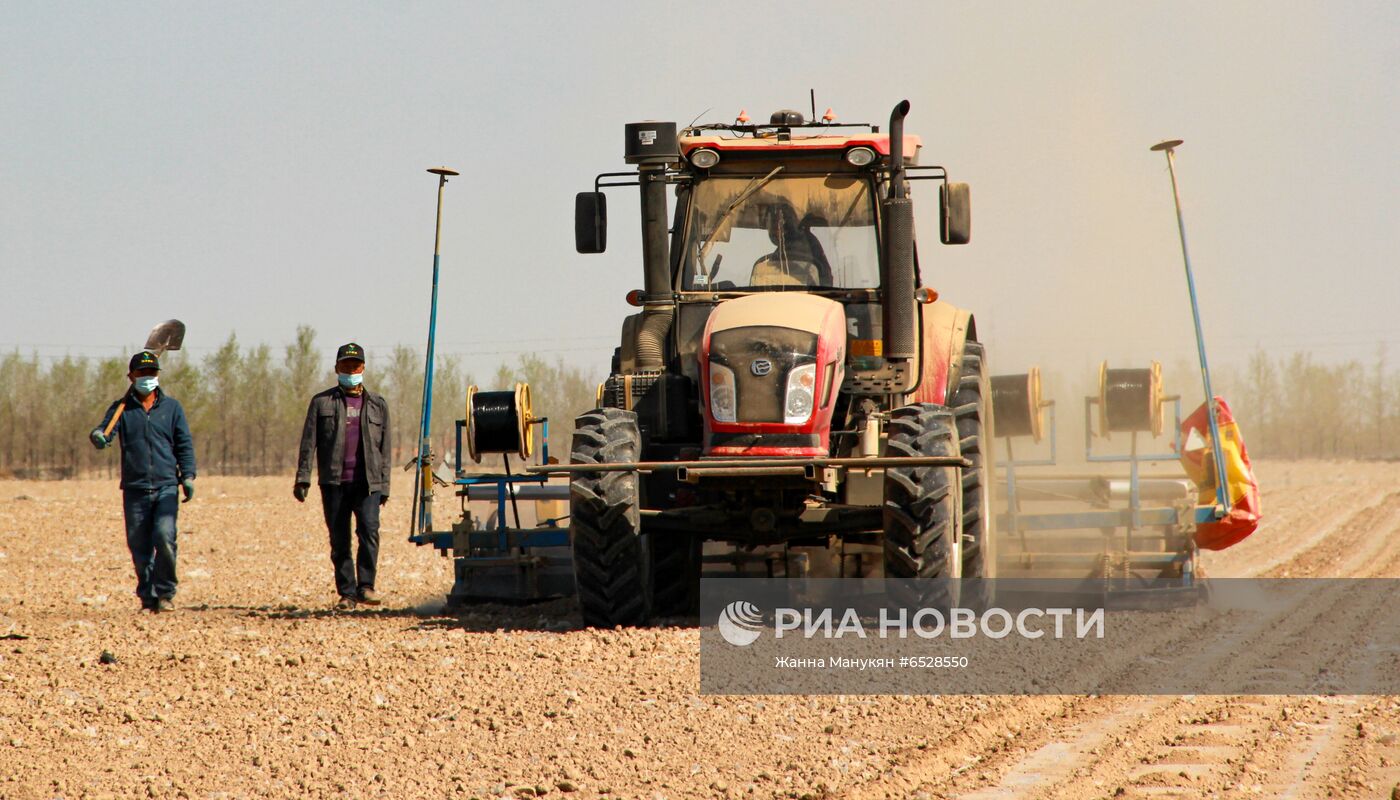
1115 518
693 474
423 493
461 423
598 184
1133 496
556 491
518 537
1221 475
514 507
1095 476
756 463
491 479
501 526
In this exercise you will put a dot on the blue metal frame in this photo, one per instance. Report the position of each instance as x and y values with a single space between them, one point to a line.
1131 518
504 537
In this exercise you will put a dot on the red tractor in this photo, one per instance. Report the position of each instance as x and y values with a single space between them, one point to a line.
787 383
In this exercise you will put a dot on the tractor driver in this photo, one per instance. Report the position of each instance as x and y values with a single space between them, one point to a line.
797 258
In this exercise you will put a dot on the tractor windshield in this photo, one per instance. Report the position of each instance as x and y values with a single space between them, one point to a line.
776 232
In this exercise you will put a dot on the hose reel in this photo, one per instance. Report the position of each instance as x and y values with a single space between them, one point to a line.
1130 400
1017 405
500 422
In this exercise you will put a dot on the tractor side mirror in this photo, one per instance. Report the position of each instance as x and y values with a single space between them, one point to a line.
955 211
590 222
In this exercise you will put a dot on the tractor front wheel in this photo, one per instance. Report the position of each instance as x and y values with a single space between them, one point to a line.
921 502
611 562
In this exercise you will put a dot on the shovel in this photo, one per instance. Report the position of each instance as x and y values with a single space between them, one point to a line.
168 335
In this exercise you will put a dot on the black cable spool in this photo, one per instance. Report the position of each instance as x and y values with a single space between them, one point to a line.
1130 399
499 422
1017 408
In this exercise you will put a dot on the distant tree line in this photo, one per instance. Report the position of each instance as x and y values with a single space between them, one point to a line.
1296 407
246 404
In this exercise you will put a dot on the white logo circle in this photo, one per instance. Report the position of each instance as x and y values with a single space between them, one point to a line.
740 623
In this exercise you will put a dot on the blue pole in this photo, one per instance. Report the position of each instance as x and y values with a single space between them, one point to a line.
423 491
1221 476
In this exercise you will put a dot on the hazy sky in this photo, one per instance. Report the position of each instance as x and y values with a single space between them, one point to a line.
250 166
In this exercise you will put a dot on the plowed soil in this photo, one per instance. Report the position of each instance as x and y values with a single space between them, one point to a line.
254 687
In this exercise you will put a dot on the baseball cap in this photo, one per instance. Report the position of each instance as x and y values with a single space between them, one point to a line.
351 351
143 360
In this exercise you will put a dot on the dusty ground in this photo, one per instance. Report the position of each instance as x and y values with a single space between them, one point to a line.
254 689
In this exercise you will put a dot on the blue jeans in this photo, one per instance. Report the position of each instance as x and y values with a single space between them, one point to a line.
150 536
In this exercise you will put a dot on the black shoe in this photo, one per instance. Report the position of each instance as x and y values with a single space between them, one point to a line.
369 597
148 604
345 604
164 604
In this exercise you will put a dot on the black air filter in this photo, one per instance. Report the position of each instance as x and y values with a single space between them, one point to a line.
652 143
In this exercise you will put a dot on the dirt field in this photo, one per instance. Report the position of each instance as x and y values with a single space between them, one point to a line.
253 688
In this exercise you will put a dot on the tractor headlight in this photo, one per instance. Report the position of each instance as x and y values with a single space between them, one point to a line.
859 156
722 393
799 400
704 158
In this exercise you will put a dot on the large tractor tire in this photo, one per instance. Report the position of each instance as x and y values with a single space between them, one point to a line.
675 574
611 562
921 503
971 405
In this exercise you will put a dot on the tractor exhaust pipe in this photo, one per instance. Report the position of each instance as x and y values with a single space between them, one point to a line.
900 328
657 309
651 146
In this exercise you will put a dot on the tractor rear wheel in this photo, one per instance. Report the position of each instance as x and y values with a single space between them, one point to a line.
921 503
611 562
971 410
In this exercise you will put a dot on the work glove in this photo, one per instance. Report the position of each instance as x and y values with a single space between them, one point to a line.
98 440
299 491
188 485
383 498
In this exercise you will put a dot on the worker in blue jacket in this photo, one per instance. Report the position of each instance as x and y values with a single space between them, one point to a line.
157 457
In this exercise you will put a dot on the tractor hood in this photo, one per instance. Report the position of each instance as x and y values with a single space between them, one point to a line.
771 365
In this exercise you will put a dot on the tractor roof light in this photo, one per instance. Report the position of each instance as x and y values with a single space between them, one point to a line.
704 158
860 156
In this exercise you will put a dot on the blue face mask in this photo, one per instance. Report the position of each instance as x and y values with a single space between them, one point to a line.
349 381
145 385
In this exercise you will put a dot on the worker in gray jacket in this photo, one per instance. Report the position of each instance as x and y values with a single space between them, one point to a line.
348 428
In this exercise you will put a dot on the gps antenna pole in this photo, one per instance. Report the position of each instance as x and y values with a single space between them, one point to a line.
423 489
1221 496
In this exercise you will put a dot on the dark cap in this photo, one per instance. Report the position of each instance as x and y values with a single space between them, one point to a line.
351 351
143 360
